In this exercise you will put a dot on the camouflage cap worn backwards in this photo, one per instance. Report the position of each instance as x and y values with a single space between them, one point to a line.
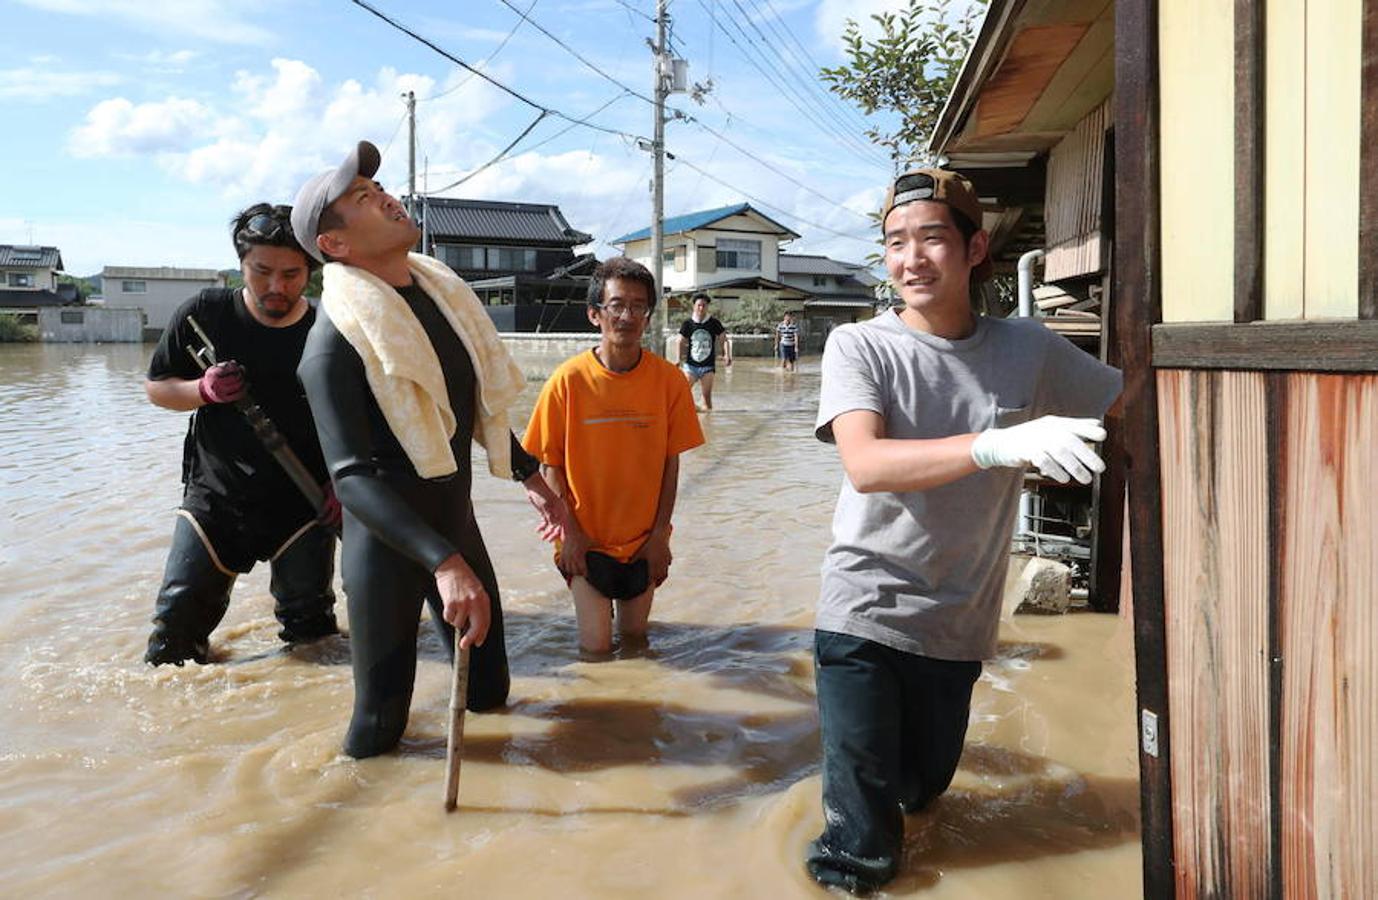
942 186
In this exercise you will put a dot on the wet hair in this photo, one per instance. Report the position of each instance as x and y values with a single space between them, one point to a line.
621 267
965 226
701 296
277 232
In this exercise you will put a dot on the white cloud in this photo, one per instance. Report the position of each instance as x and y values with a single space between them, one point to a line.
118 127
276 128
221 21
37 85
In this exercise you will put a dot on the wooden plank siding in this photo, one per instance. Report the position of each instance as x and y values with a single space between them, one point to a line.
1328 636
1072 207
1215 535
1196 74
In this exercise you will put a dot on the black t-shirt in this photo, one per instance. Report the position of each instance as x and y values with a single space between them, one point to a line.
422 518
703 346
226 469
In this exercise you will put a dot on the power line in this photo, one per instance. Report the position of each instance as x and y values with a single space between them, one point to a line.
489 58
779 209
540 117
629 8
572 52
845 138
516 95
778 24
680 114
555 113
828 119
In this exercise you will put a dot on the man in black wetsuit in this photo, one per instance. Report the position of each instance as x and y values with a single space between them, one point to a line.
403 358
239 505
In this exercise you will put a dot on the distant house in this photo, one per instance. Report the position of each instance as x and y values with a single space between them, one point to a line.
518 257
157 291
838 292
28 278
729 253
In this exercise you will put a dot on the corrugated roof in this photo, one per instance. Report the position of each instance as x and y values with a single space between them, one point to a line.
169 273
701 219
492 220
18 256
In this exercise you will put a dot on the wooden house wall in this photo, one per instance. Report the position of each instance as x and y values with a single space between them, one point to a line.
1327 469
1312 133
1253 444
1236 579
1073 203
1196 182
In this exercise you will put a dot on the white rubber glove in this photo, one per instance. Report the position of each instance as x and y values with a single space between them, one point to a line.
1055 445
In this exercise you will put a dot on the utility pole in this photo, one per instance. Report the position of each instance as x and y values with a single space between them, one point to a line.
411 153
661 74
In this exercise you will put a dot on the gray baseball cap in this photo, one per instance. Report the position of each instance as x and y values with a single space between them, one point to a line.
327 187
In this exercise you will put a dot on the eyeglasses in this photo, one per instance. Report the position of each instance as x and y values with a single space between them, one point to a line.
619 311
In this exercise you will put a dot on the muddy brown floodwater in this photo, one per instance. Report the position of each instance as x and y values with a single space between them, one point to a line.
690 772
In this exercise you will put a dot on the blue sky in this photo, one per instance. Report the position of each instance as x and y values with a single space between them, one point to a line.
138 127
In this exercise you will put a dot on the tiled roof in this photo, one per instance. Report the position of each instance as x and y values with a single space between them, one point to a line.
701 219
491 220
806 264
14 256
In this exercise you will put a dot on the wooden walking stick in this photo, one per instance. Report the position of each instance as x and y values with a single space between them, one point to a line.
454 746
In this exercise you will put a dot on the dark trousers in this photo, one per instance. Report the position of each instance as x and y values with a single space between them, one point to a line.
384 590
893 725
196 593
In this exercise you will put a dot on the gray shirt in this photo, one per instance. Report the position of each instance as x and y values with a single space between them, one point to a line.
923 571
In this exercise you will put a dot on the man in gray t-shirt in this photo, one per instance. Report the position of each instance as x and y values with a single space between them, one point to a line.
935 412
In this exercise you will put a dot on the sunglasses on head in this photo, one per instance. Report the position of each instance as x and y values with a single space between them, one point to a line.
267 226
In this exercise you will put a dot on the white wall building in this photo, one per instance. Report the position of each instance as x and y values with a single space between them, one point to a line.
158 291
728 253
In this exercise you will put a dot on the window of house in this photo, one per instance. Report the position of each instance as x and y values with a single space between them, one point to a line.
512 259
134 287
737 254
20 279
820 281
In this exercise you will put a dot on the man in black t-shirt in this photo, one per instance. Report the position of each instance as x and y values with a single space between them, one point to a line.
239 505
700 336
405 372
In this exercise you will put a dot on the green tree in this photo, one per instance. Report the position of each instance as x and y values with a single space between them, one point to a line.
84 289
908 70
754 315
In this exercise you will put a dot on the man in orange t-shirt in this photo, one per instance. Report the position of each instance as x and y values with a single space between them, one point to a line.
608 429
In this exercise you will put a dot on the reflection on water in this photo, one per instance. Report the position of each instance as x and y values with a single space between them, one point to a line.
688 770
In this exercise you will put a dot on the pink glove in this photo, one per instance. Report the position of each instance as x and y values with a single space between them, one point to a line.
331 513
222 383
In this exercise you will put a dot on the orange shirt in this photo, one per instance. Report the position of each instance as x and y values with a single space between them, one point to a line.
611 432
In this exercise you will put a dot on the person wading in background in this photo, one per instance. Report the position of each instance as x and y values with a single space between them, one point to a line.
701 336
239 505
405 371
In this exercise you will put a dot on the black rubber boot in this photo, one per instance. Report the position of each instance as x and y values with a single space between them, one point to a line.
191 602
300 584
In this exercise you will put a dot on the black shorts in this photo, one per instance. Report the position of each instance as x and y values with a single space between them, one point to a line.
788 353
617 580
